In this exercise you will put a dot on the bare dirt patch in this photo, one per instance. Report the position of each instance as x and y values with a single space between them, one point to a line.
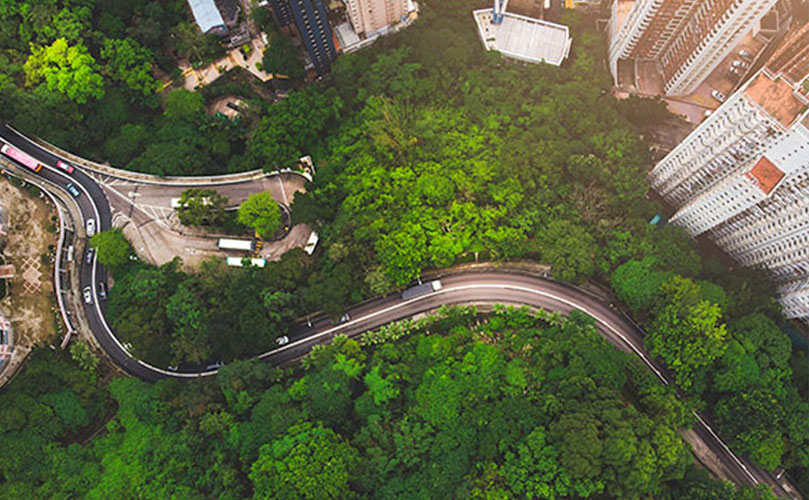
32 236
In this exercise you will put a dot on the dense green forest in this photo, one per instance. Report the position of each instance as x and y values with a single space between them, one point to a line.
425 158
509 405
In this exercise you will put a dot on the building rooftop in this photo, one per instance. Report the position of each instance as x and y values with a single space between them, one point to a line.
775 96
792 57
207 15
765 174
524 38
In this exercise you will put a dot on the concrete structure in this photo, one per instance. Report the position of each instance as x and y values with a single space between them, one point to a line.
742 177
214 16
688 38
524 38
375 16
313 25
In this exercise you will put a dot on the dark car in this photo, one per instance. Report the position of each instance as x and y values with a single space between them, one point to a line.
73 190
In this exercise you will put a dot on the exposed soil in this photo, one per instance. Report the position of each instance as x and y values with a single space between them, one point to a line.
30 301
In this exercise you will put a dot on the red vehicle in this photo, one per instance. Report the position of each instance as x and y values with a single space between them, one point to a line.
65 166
21 158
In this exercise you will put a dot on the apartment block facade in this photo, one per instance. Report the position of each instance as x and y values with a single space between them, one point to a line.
310 18
742 177
689 38
370 17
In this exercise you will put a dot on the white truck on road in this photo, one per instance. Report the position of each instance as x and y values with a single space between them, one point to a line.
228 244
422 289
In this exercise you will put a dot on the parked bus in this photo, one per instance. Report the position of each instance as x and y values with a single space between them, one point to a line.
311 243
177 202
21 158
238 262
228 244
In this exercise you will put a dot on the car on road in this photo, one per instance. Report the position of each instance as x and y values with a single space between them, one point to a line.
89 257
719 96
282 340
214 366
102 290
345 318
88 295
91 227
65 166
73 190
745 55
739 64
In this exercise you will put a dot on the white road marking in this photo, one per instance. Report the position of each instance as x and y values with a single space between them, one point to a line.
283 193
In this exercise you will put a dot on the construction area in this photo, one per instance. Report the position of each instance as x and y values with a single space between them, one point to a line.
28 314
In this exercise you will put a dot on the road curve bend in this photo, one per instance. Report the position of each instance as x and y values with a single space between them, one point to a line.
479 288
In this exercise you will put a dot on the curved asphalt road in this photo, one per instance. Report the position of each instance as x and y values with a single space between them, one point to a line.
464 288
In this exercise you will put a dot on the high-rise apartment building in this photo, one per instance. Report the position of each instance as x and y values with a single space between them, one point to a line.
313 25
742 177
370 17
688 38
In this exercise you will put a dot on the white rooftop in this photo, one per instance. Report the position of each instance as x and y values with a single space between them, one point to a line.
206 14
524 38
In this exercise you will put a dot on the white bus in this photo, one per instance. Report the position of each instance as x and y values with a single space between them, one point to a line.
237 262
311 243
228 244
177 203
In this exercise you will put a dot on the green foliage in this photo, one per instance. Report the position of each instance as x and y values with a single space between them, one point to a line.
569 250
261 212
80 353
293 128
67 69
130 63
183 105
281 57
687 333
202 207
112 248
637 285
310 462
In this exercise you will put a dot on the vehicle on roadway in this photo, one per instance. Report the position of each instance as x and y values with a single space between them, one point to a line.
282 340
89 256
739 64
345 318
311 243
21 158
65 166
88 295
719 96
421 289
102 290
239 262
91 227
230 244
73 190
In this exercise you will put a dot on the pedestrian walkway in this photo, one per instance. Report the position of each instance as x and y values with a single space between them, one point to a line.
234 58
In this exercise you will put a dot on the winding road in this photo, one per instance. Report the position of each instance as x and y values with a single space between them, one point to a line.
500 287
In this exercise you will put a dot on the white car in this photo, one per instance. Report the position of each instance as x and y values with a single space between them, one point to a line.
719 96
88 295
91 227
345 318
739 64
282 340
